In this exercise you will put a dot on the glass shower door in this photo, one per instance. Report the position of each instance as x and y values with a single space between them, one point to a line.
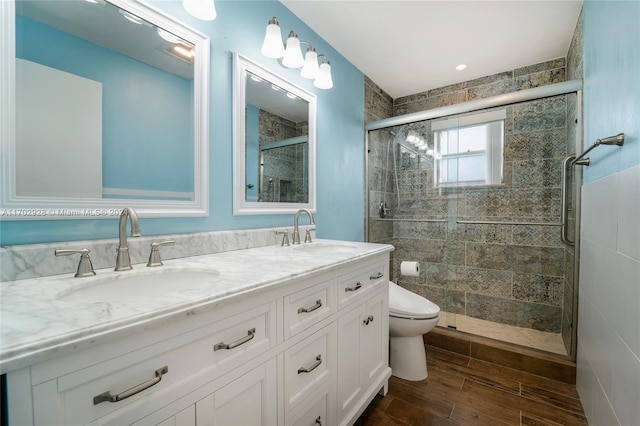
475 198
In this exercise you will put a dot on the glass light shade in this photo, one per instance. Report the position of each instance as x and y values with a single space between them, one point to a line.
166 35
410 136
324 81
272 46
131 17
310 68
201 9
293 55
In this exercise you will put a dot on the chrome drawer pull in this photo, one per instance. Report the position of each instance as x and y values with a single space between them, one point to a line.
250 335
358 286
107 397
313 367
368 320
319 421
311 309
376 276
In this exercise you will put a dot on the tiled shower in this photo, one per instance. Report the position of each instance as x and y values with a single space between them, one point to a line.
282 169
491 252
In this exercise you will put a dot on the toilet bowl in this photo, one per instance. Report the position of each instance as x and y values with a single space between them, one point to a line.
410 316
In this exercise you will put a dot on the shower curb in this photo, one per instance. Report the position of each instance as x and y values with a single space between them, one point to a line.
546 364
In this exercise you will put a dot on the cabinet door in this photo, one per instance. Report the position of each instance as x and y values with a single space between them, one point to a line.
247 401
349 359
374 350
363 335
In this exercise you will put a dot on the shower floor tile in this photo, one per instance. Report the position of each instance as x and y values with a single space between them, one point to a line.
550 342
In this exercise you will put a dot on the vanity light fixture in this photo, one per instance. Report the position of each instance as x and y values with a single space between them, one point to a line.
323 80
415 139
310 69
201 9
272 46
290 55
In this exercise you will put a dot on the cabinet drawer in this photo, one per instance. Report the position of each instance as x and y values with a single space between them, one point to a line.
316 415
364 280
309 365
202 354
307 307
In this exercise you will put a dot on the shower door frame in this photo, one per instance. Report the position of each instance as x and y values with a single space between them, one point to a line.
557 89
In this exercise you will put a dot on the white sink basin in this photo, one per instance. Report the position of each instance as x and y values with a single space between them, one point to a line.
142 286
323 248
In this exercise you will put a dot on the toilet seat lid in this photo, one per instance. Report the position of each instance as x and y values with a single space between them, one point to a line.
404 303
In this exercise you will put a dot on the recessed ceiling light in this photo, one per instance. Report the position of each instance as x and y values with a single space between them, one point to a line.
461 67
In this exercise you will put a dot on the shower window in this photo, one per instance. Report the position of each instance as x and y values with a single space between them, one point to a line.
468 150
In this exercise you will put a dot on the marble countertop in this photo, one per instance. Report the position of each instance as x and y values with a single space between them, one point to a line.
36 325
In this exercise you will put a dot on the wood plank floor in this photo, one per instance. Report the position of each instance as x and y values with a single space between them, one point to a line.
465 391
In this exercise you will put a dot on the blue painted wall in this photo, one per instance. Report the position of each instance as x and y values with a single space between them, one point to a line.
611 84
143 108
240 27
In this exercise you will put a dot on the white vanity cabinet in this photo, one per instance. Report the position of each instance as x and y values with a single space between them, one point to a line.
363 339
92 385
309 350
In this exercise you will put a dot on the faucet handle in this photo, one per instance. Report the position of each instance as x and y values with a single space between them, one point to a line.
85 268
307 235
154 256
285 237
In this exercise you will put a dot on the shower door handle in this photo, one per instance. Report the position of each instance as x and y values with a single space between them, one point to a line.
563 220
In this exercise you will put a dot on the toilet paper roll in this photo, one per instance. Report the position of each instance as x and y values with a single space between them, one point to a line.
410 269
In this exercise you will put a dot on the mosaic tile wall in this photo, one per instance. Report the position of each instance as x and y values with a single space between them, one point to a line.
284 168
503 273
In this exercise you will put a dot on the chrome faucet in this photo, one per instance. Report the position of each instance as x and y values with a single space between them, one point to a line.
123 260
296 233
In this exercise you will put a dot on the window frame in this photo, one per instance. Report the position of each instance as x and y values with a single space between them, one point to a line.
493 152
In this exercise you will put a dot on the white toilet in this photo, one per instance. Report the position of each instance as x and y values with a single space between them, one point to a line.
410 316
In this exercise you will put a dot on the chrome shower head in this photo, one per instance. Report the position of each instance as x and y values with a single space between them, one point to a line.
612 140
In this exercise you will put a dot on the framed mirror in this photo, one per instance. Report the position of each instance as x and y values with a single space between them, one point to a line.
104 105
274 142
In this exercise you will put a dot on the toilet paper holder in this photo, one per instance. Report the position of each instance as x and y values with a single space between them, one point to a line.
410 268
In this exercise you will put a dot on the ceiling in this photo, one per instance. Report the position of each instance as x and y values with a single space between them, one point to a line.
407 47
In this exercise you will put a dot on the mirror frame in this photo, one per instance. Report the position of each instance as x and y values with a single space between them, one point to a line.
15 207
241 206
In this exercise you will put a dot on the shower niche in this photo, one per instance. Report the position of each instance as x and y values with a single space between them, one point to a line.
475 197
